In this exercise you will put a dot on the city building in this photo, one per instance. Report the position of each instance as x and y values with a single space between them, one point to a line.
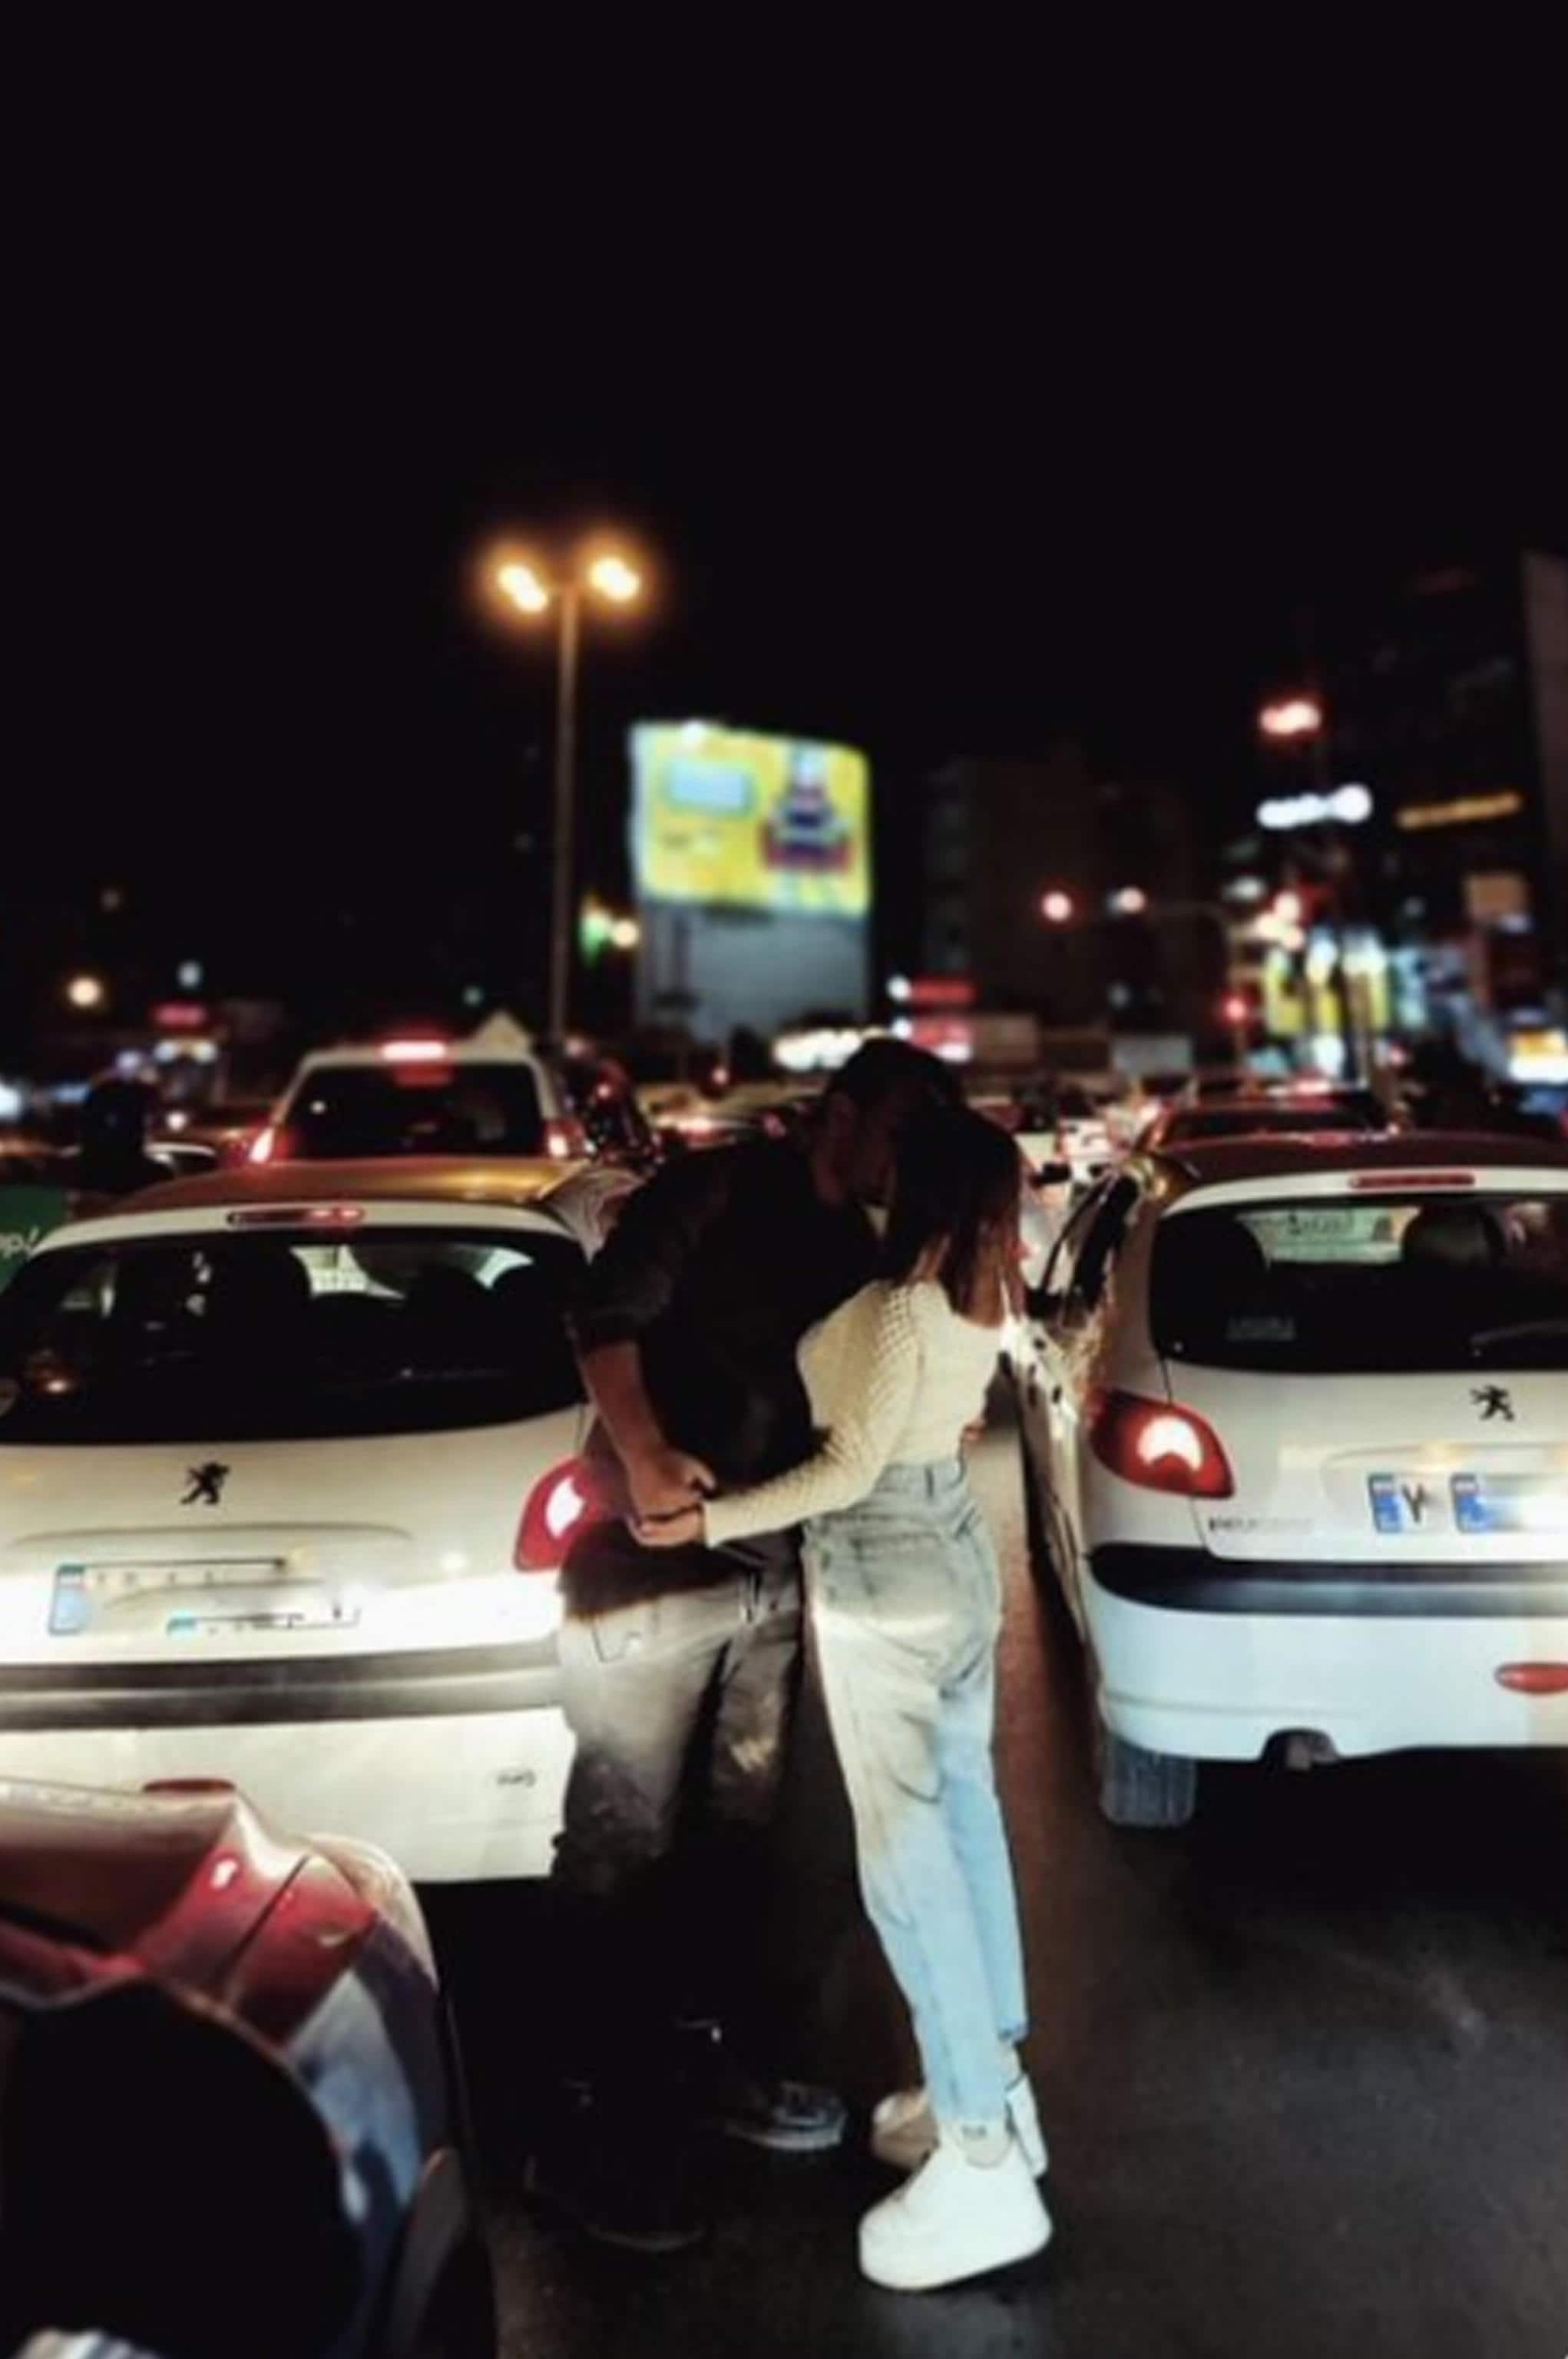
1443 700
1077 897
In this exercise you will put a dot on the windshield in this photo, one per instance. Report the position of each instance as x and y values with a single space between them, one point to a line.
1407 1283
340 1112
279 1337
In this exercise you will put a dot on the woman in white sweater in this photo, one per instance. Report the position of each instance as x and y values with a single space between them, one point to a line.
905 1597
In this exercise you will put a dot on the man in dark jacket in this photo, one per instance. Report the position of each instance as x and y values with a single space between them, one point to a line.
681 1665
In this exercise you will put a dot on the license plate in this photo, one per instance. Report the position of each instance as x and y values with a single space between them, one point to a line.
84 1594
1403 1503
1509 1503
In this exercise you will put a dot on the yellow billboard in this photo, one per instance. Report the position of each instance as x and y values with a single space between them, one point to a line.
730 817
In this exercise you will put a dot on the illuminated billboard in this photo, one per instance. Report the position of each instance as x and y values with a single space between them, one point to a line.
728 818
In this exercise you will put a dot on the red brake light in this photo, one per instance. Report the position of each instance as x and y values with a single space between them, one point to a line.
417 1052
557 1509
298 1216
564 1141
1159 1446
1534 1679
1368 1183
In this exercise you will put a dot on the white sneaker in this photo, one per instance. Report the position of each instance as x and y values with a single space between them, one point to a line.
904 2131
954 2219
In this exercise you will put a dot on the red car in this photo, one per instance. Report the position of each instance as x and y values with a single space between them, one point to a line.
230 2116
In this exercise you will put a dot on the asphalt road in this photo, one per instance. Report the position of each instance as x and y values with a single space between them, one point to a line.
1304 2068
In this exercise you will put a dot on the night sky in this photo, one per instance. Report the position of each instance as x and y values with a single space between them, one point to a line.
1038 448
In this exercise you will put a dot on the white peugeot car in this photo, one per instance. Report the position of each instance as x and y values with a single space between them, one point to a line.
1297 1412
287 1464
494 1095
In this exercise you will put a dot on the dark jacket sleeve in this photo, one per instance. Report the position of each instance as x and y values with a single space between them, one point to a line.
630 1285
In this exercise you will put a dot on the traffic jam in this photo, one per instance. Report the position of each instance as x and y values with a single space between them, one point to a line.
292 1452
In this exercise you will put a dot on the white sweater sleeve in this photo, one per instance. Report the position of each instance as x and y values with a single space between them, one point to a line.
872 1385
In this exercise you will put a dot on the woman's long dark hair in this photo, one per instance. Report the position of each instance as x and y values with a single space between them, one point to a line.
956 1187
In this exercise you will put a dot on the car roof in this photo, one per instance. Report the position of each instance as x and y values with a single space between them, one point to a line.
451 1052
519 1186
1284 1156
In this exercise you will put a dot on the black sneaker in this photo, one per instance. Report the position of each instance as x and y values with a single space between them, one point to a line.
786 2116
609 2177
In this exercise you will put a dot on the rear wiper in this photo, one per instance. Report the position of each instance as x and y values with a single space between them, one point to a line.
1485 1337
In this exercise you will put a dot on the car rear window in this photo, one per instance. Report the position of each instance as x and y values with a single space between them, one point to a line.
1326 1285
340 1112
1247 1122
283 1338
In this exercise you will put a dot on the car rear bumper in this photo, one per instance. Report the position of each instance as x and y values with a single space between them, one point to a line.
433 1683
454 1762
1191 1581
1218 1662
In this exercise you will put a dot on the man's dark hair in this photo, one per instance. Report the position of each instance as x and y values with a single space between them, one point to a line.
881 1069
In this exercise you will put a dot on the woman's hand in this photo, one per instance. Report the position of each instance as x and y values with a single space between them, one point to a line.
681 1531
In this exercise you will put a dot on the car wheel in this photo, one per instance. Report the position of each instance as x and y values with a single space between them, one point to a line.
460 2322
1136 1788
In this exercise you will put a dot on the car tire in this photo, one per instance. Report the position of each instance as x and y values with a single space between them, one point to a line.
1136 1788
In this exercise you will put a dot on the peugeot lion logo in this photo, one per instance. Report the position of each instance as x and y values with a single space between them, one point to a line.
1494 1400
206 1484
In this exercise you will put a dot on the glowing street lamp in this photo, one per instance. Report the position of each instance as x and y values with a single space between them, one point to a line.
1292 716
1131 902
1056 908
614 578
86 993
609 576
525 588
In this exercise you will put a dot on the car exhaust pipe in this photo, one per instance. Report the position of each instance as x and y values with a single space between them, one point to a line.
1304 1748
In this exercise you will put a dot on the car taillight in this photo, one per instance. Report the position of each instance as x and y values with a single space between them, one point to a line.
1534 1679
558 1508
564 1141
1159 1446
263 1146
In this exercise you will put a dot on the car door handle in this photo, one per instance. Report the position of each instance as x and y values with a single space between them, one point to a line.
1055 1395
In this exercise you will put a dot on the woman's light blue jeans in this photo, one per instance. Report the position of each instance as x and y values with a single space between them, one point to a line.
905 1597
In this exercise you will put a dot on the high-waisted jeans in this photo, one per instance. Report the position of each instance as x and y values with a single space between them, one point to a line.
905 1596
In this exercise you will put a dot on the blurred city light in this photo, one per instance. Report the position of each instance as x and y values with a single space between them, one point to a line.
614 578
1056 908
1347 805
1131 902
526 589
1235 1008
1289 908
86 991
624 934
1293 716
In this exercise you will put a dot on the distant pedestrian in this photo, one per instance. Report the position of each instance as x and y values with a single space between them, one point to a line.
111 1158
680 1669
905 1594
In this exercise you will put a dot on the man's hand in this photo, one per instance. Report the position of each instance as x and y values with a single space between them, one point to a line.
665 1482
681 1531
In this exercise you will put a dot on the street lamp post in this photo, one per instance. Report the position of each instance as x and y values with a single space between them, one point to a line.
571 603
612 577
